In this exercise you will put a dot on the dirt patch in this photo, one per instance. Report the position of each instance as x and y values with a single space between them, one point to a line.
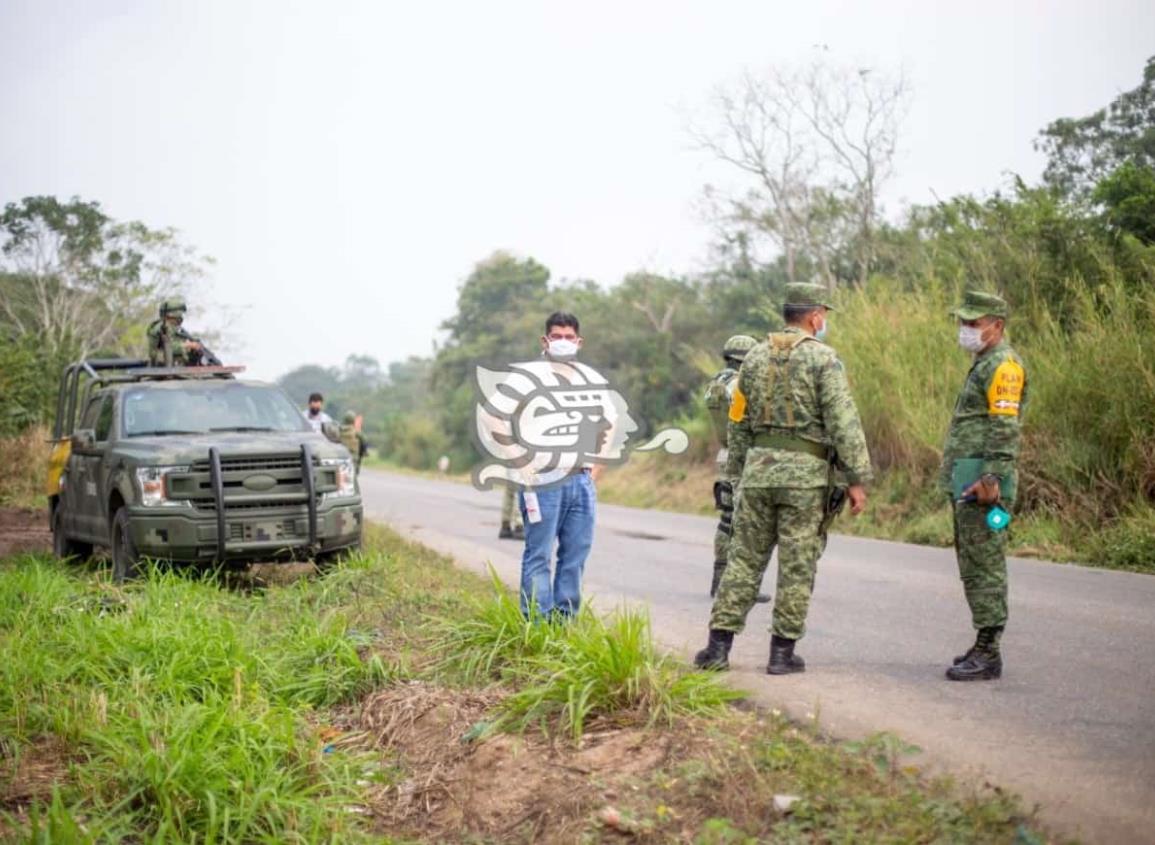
461 784
27 776
23 530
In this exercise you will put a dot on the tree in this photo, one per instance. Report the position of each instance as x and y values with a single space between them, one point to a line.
814 147
1081 152
76 281
299 383
1128 197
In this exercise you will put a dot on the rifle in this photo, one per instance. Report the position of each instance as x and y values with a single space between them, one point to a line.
203 357
206 357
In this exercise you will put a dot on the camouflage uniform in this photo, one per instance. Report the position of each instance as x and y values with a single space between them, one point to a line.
352 439
511 525
986 426
170 345
719 394
792 406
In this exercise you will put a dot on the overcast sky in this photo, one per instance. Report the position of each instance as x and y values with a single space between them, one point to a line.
347 163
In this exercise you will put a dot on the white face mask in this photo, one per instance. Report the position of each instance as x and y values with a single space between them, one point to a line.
562 349
970 338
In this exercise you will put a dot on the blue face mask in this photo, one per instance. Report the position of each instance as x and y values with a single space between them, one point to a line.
821 333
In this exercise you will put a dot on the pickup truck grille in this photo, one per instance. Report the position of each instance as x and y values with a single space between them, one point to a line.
258 464
252 482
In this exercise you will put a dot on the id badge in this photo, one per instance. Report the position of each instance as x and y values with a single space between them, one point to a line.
532 508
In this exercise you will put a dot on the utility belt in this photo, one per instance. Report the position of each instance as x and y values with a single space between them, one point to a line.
790 443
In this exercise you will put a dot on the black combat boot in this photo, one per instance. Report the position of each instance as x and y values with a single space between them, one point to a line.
966 655
783 660
506 533
983 662
715 657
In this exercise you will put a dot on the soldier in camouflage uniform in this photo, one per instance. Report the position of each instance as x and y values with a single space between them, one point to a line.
978 472
719 394
169 345
352 439
512 527
792 412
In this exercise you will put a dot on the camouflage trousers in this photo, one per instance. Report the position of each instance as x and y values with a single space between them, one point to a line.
765 517
982 564
510 512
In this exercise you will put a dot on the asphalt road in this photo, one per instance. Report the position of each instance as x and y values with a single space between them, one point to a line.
1070 726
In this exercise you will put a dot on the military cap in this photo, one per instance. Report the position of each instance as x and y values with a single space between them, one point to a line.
807 295
977 303
171 306
738 346
350 418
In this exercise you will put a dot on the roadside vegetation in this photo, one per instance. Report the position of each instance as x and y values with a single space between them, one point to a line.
24 457
1074 254
396 698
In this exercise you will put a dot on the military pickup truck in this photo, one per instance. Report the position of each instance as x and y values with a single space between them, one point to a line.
193 465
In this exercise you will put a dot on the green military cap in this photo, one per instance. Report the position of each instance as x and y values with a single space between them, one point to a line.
800 293
977 303
350 418
171 306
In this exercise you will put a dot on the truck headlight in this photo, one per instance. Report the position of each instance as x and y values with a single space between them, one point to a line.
346 477
154 486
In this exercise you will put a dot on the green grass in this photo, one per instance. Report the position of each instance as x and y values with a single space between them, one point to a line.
566 674
177 709
184 704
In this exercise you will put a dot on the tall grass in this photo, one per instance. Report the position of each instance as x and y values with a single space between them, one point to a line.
1088 453
568 673
24 458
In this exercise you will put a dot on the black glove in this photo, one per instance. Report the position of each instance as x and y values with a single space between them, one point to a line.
723 495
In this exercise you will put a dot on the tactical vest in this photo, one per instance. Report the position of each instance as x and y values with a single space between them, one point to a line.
717 401
782 346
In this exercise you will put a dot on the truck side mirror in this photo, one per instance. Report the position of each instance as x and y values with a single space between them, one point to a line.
331 431
83 438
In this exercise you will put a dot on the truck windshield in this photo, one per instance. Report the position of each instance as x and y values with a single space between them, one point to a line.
203 408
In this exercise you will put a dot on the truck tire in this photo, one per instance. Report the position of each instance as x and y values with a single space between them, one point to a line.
64 546
125 563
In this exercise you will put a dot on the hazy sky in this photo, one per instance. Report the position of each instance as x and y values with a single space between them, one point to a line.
347 162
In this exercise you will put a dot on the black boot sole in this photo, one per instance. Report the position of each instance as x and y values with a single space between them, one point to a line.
793 670
712 665
985 675
790 669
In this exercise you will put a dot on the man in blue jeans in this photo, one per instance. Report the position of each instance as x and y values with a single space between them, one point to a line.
567 509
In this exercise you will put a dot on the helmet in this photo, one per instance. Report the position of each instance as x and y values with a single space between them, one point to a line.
350 418
737 346
173 306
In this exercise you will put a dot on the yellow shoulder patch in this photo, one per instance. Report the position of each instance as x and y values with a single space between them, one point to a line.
1005 393
738 406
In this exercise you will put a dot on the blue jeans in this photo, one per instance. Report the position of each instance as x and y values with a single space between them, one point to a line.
567 516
